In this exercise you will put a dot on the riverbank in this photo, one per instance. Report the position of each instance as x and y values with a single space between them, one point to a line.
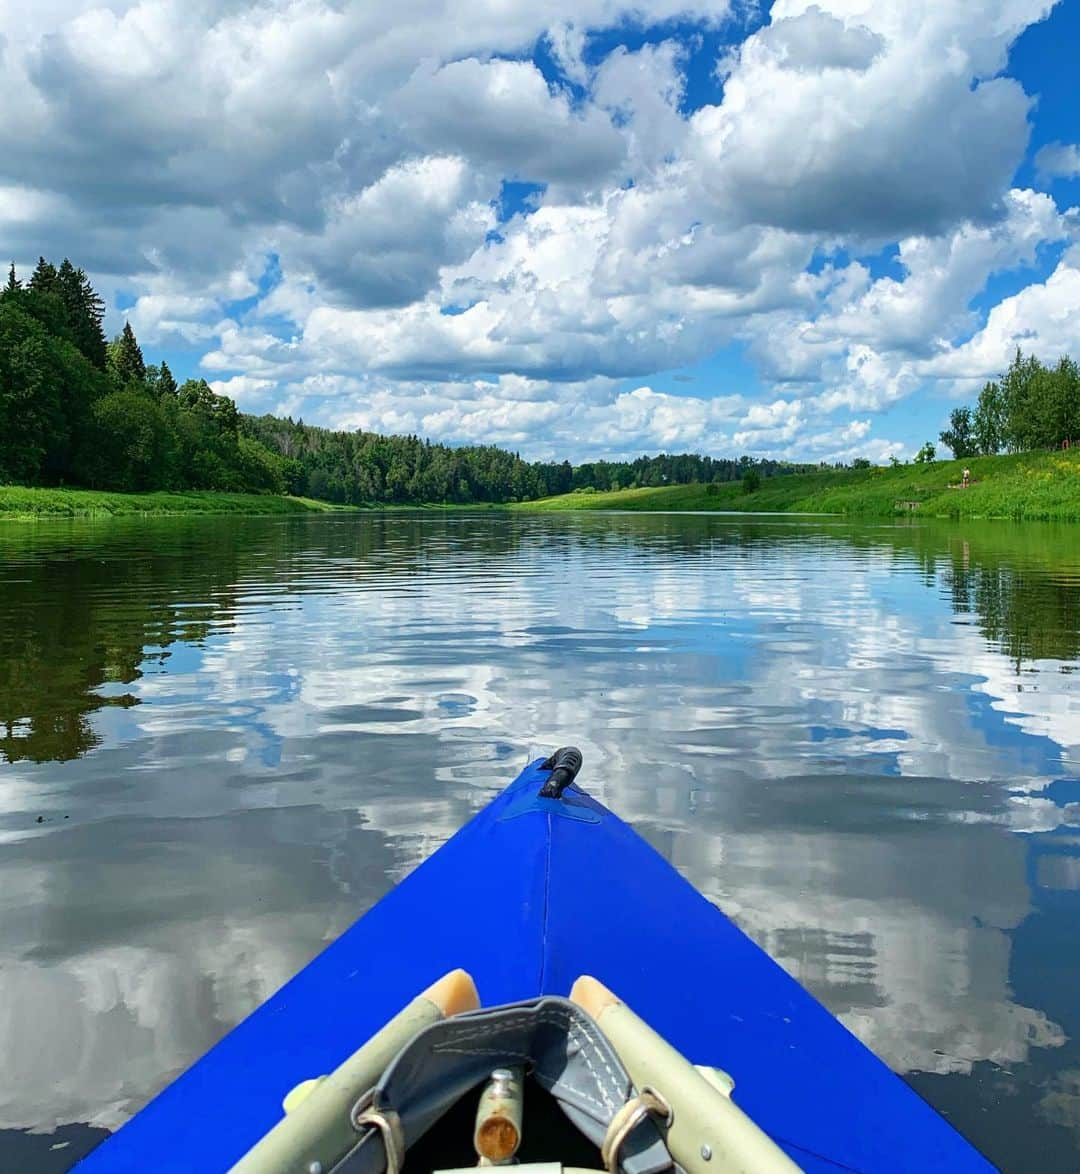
1042 486
32 504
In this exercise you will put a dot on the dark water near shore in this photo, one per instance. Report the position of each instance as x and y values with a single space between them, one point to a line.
223 739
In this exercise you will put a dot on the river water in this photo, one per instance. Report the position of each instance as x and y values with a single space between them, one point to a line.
221 740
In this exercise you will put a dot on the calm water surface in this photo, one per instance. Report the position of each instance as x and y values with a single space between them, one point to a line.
223 739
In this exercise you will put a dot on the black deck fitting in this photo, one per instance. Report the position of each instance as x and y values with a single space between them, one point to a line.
564 765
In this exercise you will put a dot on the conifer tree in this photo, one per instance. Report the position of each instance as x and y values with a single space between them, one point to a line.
125 359
43 279
85 311
166 384
13 283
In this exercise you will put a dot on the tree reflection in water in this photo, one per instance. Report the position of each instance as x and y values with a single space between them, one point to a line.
860 739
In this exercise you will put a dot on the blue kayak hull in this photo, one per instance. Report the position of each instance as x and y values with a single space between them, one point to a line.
528 896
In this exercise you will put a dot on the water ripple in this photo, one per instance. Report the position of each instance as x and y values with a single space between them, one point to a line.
222 739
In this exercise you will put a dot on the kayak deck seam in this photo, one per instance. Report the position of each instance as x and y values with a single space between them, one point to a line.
542 982
594 898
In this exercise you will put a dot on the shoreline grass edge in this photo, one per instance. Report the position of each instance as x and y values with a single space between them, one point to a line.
34 504
1031 486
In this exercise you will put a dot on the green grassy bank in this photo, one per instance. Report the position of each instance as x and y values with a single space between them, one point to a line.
22 504
1031 486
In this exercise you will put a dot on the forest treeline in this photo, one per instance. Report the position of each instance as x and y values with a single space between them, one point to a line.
358 467
77 409
1031 406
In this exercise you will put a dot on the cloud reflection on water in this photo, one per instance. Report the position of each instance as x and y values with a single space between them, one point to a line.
810 720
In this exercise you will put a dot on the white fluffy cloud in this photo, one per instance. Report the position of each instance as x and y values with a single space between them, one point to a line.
1059 159
341 169
870 119
879 339
1041 319
503 115
941 274
385 245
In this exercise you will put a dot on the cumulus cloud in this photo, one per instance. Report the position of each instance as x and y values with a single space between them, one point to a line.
815 40
642 91
1058 160
941 274
503 116
243 389
591 417
183 151
872 120
386 245
1041 319
875 341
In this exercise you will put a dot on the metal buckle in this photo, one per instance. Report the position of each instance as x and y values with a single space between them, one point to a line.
364 1118
627 1119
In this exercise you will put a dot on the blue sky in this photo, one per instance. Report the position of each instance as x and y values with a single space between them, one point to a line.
804 230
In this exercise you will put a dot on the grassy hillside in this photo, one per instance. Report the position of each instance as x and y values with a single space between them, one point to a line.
17 503
1043 485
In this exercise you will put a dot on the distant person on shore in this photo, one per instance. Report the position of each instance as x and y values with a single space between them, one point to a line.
967 478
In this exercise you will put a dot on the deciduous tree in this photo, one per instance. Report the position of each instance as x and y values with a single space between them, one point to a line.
959 436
